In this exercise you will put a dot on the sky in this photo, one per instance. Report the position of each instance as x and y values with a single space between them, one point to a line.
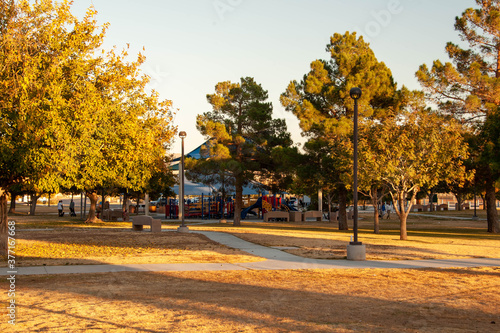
191 45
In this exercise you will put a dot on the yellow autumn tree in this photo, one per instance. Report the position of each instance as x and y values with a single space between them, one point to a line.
415 149
71 114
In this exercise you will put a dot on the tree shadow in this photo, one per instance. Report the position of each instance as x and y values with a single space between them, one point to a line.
126 242
324 248
261 306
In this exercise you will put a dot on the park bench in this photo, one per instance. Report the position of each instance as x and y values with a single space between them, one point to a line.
295 216
276 215
417 208
464 206
442 207
334 216
313 214
112 214
138 223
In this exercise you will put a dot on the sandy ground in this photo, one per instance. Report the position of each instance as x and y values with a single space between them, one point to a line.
107 246
364 300
451 300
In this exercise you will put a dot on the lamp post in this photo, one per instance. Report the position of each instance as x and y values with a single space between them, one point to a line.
183 227
355 250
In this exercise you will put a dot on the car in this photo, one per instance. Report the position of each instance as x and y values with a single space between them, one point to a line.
159 203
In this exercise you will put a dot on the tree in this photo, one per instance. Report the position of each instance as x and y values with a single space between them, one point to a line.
211 170
120 133
324 108
489 160
242 133
69 117
371 183
468 87
31 52
424 149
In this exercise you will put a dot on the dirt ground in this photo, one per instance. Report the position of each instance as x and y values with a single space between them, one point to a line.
364 300
370 300
89 246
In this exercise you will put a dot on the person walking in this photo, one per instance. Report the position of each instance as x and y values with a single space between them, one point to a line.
60 208
72 208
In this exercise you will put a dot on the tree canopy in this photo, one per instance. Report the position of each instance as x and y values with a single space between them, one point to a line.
72 114
242 133
416 149
322 103
468 86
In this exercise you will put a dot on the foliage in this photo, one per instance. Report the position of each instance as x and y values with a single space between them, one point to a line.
322 103
468 87
425 148
242 134
70 114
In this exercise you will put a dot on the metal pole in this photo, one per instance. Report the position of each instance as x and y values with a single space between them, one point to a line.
475 204
355 172
81 205
181 197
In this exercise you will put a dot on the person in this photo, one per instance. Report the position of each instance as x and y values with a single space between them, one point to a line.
382 210
60 208
72 208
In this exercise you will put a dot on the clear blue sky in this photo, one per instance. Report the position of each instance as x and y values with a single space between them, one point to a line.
191 45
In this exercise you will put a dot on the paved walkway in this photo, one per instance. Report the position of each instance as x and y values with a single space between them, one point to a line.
450 217
275 260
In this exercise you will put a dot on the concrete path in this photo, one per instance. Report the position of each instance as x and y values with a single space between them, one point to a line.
275 260
446 217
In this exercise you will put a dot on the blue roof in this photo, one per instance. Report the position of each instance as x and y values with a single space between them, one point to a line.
198 189
196 153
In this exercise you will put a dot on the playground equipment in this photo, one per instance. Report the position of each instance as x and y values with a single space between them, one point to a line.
208 207
268 204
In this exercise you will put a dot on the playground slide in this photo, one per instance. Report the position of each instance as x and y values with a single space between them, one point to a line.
245 211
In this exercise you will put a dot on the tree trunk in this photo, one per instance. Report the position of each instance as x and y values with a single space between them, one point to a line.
402 211
342 208
376 222
431 203
459 201
4 248
34 198
403 235
125 212
92 218
124 203
12 208
238 202
402 214
483 198
491 209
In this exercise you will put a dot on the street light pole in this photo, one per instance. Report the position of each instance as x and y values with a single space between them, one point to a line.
355 250
355 94
183 227
475 203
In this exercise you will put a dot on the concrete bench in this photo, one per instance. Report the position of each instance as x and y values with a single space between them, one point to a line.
138 223
334 216
276 215
417 208
112 214
441 207
313 214
295 216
